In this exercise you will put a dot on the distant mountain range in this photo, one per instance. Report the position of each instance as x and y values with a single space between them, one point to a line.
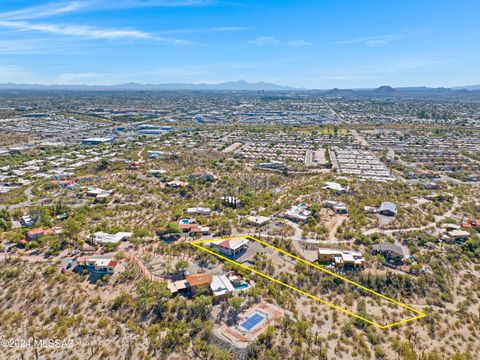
258 86
471 87
231 85
388 91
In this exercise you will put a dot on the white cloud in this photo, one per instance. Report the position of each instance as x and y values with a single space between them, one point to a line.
37 12
61 8
87 31
299 42
19 20
264 40
374 41
204 30
75 30
109 4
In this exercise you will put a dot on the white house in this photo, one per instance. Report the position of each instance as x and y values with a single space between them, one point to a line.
105 238
231 248
199 211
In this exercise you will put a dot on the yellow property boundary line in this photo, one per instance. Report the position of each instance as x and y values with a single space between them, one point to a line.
197 244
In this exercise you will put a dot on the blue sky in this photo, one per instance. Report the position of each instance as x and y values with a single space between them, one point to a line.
303 43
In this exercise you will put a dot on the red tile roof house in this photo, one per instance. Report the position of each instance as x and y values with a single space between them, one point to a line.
199 281
38 233
136 165
203 230
64 183
231 248
99 265
472 224
190 226
186 225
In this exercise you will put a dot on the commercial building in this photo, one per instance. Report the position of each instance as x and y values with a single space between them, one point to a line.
97 141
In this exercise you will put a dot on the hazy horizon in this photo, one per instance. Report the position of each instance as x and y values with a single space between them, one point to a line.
332 44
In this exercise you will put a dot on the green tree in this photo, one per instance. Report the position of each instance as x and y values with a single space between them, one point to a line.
5 220
181 265
201 306
71 229
236 304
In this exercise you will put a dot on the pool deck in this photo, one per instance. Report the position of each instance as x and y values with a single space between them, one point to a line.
240 337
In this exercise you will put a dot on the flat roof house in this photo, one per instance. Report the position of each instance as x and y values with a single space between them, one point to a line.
231 201
177 184
298 213
388 208
274 165
458 235
221 286
102 265
96 141
202 175
341 258
105 238
177 286
258 220
389 250
340 189
27 221
199 211
338 207
98 193
157 172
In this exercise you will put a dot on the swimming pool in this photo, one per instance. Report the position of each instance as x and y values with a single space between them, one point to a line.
185 221
241 286
252 321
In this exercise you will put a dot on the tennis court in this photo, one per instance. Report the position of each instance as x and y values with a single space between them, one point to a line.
252 321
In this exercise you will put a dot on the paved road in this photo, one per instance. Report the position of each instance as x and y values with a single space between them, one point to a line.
429 225
333 111
361 140
390 232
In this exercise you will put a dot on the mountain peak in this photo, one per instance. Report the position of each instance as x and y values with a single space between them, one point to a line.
385 89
